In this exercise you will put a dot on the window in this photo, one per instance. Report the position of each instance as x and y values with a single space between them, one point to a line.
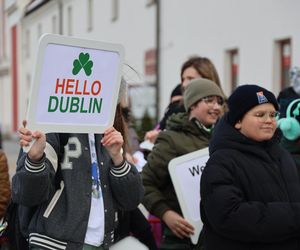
232 67
90 15
115 10
150 65
70 21
285 62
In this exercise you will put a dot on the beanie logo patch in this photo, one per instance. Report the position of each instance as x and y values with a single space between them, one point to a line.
261 98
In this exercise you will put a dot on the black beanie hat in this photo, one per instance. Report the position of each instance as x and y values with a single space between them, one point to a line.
176 91
246 97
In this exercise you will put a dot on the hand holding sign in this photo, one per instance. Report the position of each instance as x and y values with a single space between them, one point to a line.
33 142
185 172
179 226
113 142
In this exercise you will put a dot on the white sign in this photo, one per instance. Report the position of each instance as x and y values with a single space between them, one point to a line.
185 173
75 85
129 243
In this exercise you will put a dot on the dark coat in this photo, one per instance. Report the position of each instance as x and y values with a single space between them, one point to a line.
294 148
250 194
61 219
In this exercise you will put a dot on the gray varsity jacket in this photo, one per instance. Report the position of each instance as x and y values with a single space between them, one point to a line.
60 186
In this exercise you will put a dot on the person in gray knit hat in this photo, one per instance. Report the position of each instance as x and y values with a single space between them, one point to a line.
185 133
201 88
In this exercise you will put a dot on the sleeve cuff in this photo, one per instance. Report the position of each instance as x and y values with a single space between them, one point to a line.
121 170
35 166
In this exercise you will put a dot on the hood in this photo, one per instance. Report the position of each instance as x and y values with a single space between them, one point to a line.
180 122
177 121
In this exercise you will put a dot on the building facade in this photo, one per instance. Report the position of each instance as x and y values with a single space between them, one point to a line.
248 41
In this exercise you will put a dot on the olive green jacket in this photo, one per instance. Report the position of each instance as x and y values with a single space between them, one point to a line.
180 137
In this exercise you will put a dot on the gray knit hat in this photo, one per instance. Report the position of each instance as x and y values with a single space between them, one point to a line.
198 89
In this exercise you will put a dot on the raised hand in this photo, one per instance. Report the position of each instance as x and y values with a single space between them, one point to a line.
113 142
152 135
27 136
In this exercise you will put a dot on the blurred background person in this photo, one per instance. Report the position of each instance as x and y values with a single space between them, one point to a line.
290 128
4 184
0 137
133 222
290 93
134 153
193 68
175 106
4 196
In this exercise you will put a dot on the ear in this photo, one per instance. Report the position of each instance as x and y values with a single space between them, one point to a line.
238 125
193 106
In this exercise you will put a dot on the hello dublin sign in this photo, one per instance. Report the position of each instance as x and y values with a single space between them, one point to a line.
75 85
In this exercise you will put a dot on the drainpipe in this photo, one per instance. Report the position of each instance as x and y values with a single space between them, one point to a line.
157 80
60 17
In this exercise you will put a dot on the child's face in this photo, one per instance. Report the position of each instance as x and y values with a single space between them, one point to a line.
208 110
259 123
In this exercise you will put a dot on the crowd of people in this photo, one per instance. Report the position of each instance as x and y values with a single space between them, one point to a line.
83 190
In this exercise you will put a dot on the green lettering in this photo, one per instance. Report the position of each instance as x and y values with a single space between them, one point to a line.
90 105
50 108
82 110
97 105
61 108
74 104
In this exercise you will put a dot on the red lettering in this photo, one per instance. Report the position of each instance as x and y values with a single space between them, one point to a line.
62 86
84 88
96 85
73 87
69 86
77 92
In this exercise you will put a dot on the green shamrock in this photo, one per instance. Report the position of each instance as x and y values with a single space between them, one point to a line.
83 62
